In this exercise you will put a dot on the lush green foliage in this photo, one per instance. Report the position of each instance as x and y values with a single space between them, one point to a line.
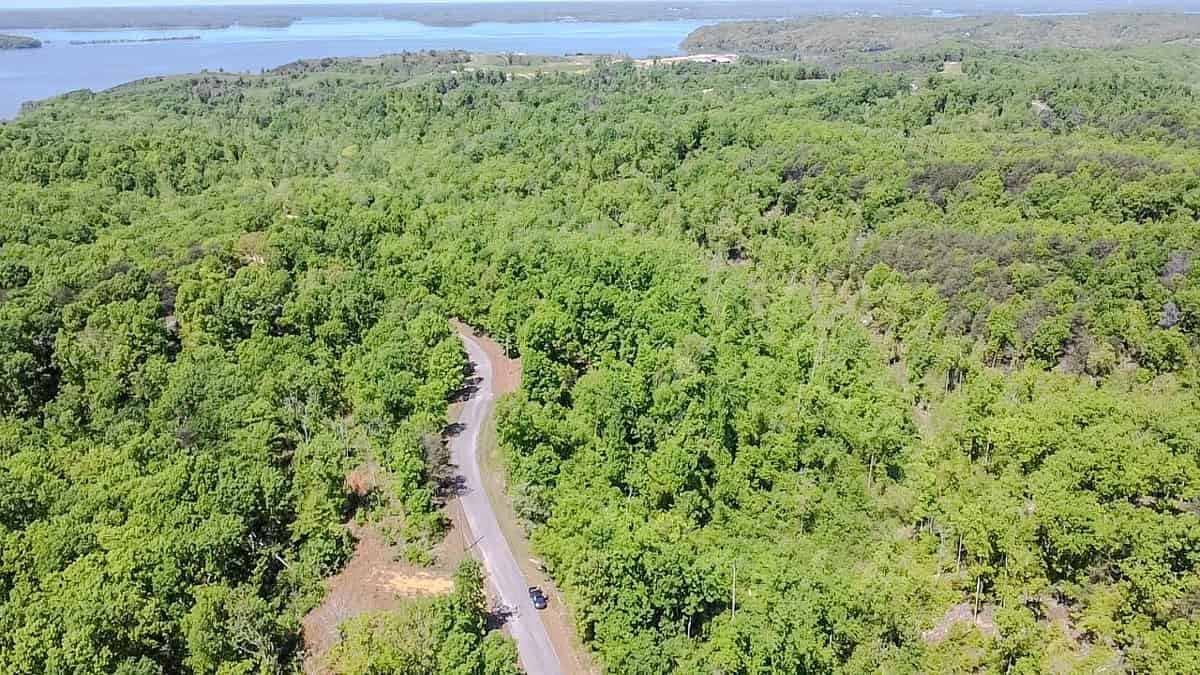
183 396
883 39
438 635
885 346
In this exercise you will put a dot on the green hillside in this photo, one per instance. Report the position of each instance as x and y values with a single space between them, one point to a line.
849 373
884 39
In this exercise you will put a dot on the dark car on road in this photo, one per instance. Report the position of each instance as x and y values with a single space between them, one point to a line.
538 597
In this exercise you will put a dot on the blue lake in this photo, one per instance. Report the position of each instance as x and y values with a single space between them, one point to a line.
59 66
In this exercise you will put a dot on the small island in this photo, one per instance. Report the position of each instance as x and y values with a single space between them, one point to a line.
19 42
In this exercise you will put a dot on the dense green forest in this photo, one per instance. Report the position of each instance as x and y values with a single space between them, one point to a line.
903 364
882 40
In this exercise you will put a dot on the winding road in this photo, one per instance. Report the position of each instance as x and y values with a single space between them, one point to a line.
525 625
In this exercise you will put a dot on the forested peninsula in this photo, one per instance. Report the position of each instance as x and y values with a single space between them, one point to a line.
18 42
883 40
823 370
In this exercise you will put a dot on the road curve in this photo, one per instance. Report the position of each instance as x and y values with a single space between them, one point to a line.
507 580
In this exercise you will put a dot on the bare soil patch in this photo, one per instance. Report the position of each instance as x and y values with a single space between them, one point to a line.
953 68
373 580
377 579
962 613
1059 616
363 479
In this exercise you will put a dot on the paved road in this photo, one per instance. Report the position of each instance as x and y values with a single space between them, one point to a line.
526 627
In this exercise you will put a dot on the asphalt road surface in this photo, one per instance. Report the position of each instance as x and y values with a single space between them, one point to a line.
507 580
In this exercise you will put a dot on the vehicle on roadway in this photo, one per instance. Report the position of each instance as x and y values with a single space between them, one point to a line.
538 597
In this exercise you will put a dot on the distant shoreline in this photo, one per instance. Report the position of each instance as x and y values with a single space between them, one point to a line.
180 38
442 14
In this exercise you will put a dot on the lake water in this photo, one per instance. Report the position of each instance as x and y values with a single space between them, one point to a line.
59 66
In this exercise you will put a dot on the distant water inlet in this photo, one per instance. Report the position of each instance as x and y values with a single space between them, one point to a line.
97 60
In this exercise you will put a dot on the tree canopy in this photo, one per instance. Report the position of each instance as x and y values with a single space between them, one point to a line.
822 372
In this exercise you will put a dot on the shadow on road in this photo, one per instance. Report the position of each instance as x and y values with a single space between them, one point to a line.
446 476
470 385
455 486
499 615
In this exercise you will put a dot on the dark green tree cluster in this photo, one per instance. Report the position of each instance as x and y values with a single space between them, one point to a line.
889 371
185 389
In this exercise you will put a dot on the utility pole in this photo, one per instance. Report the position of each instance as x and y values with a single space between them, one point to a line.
733 592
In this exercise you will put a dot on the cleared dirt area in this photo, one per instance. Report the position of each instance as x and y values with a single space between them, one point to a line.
377 579
963 613
373 580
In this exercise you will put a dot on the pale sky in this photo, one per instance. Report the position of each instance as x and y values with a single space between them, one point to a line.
49 4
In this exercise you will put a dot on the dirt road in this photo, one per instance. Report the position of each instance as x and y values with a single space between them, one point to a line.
509 583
